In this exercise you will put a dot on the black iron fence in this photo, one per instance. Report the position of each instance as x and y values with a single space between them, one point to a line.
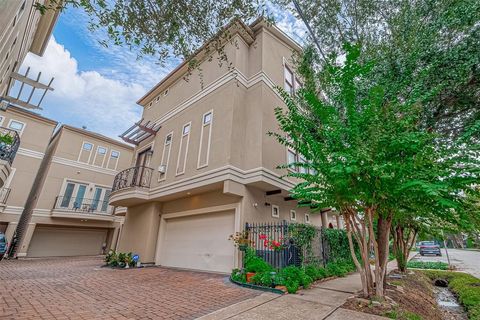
272 242
9 143
82 205
139 176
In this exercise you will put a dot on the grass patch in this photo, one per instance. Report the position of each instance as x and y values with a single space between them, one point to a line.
465 286
436 265
403 315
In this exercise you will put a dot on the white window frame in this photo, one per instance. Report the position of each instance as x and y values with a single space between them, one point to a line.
23 126
162 177
97 153
210 124
89 151
273 211
209 121
307 218
185 136
290 150
110 157
2 119
293 215
187 125
104 148
295 83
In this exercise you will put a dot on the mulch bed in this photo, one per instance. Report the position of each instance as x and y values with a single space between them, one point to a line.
409 297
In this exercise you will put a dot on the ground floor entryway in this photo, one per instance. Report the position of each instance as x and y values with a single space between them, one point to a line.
78 288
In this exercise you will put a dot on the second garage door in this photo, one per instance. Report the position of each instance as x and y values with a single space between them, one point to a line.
199 242
57 242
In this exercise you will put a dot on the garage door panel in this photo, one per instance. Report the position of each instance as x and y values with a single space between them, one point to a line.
199 242
58 242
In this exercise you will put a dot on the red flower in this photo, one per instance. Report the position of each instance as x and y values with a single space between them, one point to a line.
262 236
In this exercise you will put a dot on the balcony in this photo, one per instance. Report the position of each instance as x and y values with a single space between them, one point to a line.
9 143
73 207
4 192
130 186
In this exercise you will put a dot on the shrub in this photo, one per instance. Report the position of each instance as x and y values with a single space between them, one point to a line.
437 265
253 263
239 276
465 286
266 279
294 277
120 259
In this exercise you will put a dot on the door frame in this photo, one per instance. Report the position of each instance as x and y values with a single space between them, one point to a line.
164 217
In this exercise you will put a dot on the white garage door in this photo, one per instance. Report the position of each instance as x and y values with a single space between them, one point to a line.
56 242
199 242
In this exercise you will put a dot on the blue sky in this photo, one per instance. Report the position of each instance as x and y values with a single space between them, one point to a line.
98 87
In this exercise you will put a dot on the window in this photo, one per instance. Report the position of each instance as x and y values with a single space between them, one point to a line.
87 146
307 218
291 82
186 129
275 211
207 118
293 215
302 169
101 150
16 125
292 157
115 154
168 139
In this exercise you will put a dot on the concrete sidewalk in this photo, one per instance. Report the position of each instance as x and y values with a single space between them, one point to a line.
322 301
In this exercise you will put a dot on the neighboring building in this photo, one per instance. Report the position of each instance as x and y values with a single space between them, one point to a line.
204 164
22 29
64 179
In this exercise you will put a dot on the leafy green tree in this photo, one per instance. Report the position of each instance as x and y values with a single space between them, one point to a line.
368 155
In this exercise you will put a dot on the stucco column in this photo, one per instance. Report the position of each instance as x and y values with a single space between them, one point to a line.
113 243
140 231
10 231
23 246
324 216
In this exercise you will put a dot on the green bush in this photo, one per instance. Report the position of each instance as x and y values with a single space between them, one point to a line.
293 277
239 275
465 286
266 279
437 265
120 259
253 263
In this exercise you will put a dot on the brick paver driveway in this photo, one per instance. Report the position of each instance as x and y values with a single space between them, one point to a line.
77 288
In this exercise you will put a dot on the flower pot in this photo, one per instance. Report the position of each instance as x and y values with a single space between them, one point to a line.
283 288
249 276
242 247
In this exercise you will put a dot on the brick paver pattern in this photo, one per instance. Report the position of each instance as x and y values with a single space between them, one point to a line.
78 288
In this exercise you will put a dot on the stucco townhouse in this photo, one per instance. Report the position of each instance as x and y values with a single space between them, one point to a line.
62 177
203 164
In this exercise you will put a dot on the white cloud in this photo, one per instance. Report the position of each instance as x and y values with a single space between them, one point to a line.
103 104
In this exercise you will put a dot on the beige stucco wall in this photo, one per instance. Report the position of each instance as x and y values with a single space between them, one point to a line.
140 231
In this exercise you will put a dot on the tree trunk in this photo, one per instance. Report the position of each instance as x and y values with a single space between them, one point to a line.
383 237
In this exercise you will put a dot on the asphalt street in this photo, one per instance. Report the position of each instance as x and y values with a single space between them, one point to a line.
463 260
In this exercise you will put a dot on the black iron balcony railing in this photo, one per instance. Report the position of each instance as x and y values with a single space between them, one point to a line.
9 143
133 177
4 192
82 205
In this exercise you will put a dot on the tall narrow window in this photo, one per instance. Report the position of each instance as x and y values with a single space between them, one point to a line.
183 150
85 152
113 161
167 146
291 81
99 159
205 139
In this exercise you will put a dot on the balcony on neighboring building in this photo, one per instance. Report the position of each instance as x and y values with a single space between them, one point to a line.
74 207
9 143
131 185
4 192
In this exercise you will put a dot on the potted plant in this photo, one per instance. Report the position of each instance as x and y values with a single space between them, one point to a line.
241 240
